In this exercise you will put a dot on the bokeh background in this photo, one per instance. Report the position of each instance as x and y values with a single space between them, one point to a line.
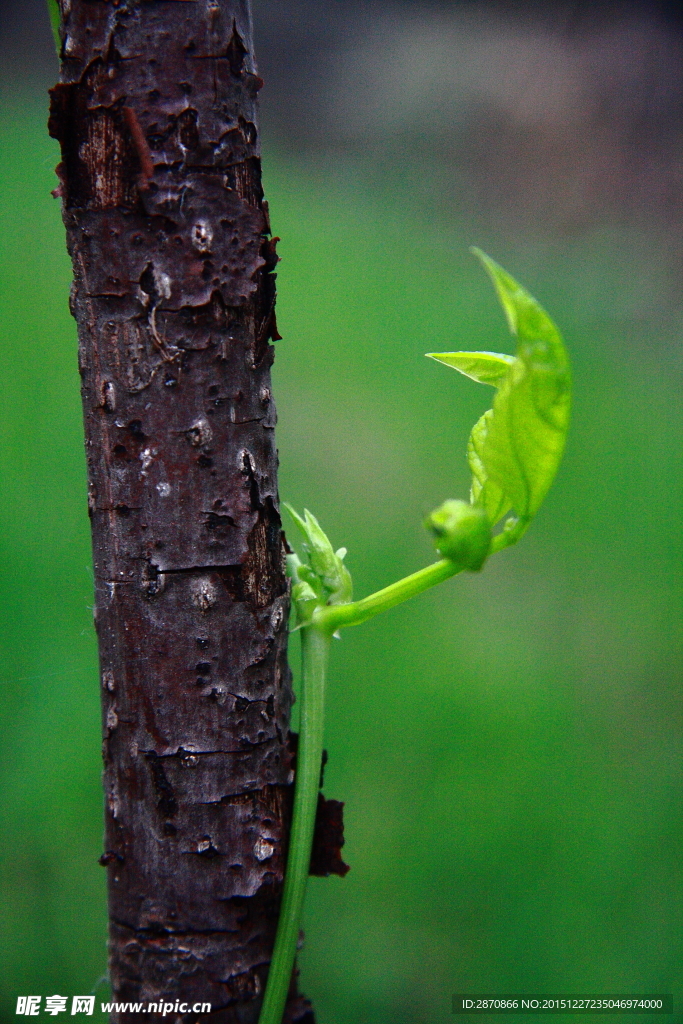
508 747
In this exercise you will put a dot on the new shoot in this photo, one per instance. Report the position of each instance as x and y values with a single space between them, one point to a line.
514 451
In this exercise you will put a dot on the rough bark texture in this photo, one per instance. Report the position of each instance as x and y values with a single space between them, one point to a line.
174 298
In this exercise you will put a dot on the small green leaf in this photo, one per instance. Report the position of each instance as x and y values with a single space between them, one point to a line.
484 367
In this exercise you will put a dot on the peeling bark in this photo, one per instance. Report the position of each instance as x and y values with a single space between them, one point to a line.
174 299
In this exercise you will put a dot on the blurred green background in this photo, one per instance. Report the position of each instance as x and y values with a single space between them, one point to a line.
508 746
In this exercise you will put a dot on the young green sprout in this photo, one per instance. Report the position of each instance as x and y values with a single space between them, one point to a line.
513 452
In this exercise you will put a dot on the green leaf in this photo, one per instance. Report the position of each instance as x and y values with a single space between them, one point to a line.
521 444
515 447
484 367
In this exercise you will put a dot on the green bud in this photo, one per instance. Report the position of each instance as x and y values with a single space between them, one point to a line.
326 573
306 588
461 532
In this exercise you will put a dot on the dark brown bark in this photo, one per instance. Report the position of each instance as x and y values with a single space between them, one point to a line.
174 298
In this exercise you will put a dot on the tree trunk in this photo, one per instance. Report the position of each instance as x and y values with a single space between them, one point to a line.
174 299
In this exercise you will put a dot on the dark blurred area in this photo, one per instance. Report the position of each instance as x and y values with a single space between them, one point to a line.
562 112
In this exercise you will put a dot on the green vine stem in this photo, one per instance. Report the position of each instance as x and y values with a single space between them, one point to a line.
316 637
331 617
315 647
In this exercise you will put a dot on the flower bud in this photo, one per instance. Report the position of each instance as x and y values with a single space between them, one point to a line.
461 532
